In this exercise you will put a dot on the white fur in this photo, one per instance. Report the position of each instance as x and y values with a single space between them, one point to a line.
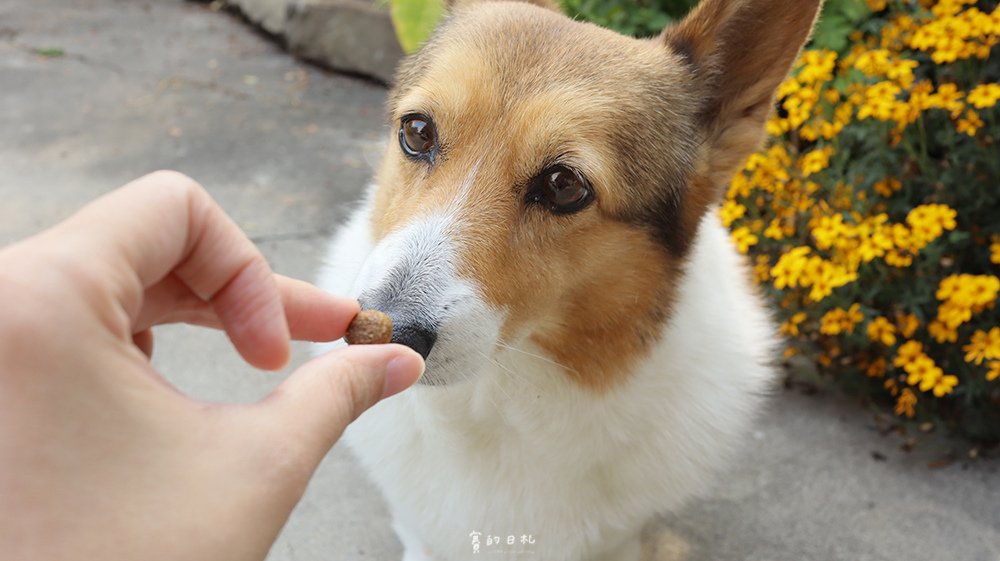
518 449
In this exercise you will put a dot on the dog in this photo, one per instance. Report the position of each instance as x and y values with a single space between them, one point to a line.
542 229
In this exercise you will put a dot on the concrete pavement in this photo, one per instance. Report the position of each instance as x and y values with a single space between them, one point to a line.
285 148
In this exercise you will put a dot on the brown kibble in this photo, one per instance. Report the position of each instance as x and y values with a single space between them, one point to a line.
369 327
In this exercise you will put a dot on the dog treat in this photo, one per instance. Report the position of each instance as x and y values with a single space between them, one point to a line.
369 327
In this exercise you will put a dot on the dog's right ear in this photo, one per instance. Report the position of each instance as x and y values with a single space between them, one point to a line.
547 4
740 51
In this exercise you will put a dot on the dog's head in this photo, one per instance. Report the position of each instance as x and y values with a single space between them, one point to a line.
546 177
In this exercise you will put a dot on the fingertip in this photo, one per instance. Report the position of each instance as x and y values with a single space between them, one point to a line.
350 305
266 348
343 310
277 360
402 371
314 314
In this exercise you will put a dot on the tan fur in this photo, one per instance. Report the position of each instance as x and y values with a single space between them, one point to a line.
513 88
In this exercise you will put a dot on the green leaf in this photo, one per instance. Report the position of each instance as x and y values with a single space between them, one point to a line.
49 52
838 20
957 236
832 31
414 21
854 10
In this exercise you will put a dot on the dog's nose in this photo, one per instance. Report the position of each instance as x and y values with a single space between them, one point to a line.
408 328
415 336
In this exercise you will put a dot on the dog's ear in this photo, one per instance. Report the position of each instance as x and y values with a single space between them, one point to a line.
547 4
740 51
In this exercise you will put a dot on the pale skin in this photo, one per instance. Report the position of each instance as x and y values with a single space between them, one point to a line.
100 458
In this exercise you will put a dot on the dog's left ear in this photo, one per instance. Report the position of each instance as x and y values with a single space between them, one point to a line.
740 51
547 4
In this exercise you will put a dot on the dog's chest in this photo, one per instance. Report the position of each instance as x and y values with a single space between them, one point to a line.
461 465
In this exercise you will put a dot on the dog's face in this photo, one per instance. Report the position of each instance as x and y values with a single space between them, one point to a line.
546 178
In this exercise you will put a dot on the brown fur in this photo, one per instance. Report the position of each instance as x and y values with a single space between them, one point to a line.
512 89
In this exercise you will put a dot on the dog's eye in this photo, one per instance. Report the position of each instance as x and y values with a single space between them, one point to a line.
560 189
417 136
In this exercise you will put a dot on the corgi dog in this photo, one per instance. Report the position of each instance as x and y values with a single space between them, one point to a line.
542 229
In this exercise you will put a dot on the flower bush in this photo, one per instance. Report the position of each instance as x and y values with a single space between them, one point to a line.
873 218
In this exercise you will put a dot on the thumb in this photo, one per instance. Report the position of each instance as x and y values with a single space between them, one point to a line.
317 402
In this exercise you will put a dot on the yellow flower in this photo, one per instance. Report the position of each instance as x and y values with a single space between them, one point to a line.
776 232
932 377
955 34
891 385
817 66
941 332
730 212
854 314
880 63
799 101
983 346
970 123
906 402
920 368
830 323
964 295
947 97
994 371
887 187
872 62
839 320
908 324
829 277
791 327
881 331
744 239
984 95
876 369
788 270
815 161
824 359
995 253
952 315
944 385
762 268
876 5
907 353
880 101
898 259
896 32
928 222
829 229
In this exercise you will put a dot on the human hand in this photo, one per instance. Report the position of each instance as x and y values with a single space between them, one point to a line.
100 458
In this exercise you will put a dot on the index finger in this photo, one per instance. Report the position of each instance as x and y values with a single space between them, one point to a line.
166 223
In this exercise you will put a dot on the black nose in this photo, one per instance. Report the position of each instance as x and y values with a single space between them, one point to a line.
415 336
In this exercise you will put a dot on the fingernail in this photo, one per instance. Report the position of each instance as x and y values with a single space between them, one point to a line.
402 372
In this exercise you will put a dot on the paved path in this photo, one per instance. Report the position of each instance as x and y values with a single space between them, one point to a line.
285 148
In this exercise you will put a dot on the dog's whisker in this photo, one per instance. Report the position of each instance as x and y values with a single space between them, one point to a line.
500 410
484 355
533 355
512 374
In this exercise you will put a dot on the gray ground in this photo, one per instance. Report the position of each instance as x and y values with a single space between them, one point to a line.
285 148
